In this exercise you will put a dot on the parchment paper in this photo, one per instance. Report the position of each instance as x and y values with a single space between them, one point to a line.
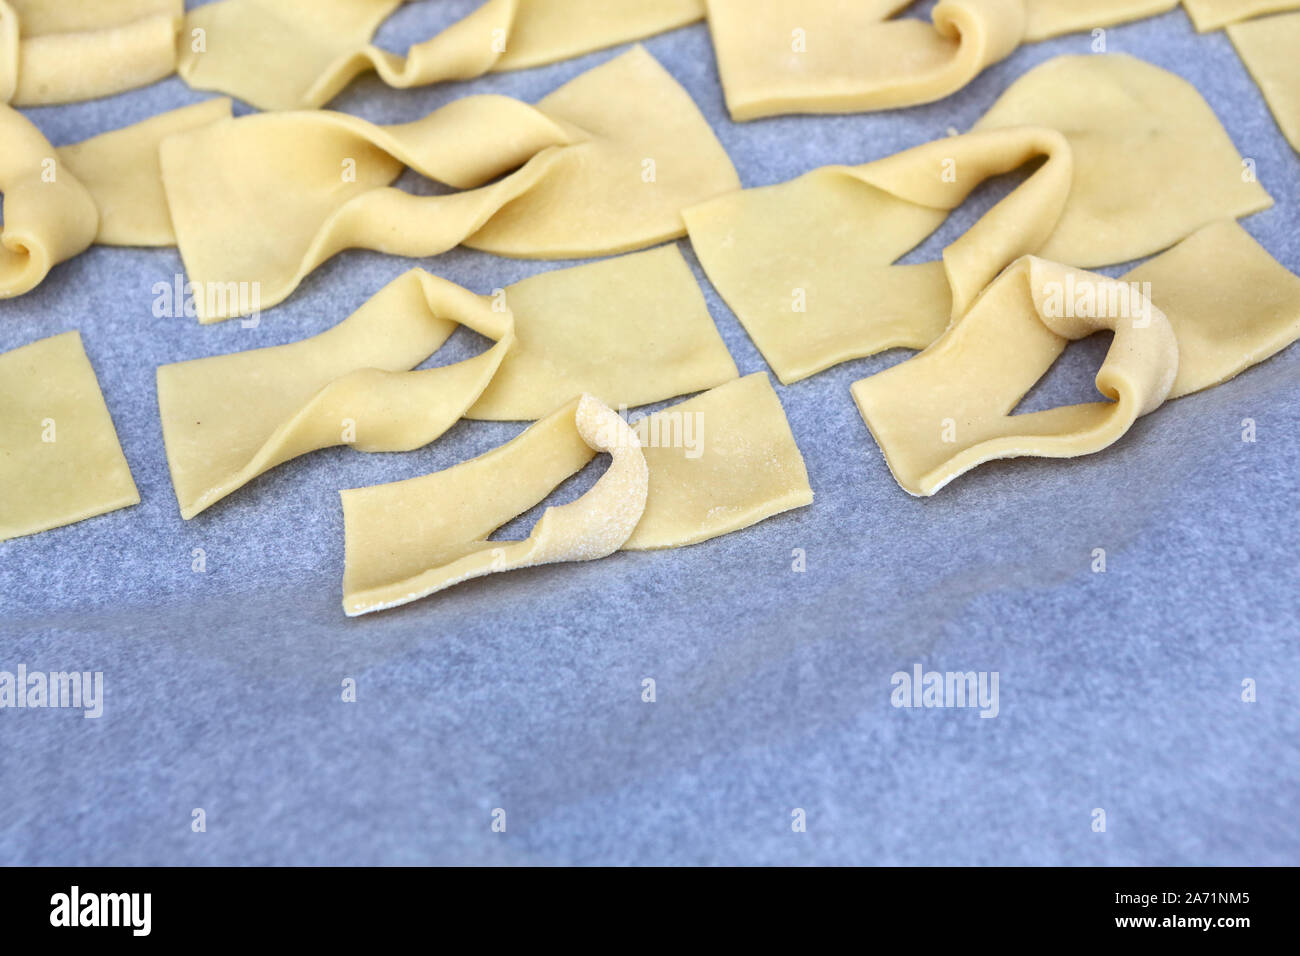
1119 691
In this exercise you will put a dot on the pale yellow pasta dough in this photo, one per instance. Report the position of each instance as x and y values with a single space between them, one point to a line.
229 418
1212 14
396 555
608 162
58 51
845 56
1270 48
948 409
49 216
121 169
628 331
1231 304
1133 159
60 460
1049 18
1191 318
719 462
299 54
631 330
107 189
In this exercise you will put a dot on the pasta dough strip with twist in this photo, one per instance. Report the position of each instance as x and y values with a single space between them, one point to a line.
107 189
299 54
845 56
948 409
631 330
477 496
228 419
719 462
1189 319
1133 160
608 162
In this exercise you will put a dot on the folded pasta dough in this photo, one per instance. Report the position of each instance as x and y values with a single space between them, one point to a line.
59 52
49 216
60 460
1270 48
628 331
948 409
1132 160
396 553
299 54
1188 319
632 330
107 189
609 160
719 462
229 418
122 171
1213 14
844 56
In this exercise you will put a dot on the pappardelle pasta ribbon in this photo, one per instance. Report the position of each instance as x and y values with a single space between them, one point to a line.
1191 318
969 380
774 56
607 162
844 56
299 54
476 497
229 418
630 331
719 462
1132 160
